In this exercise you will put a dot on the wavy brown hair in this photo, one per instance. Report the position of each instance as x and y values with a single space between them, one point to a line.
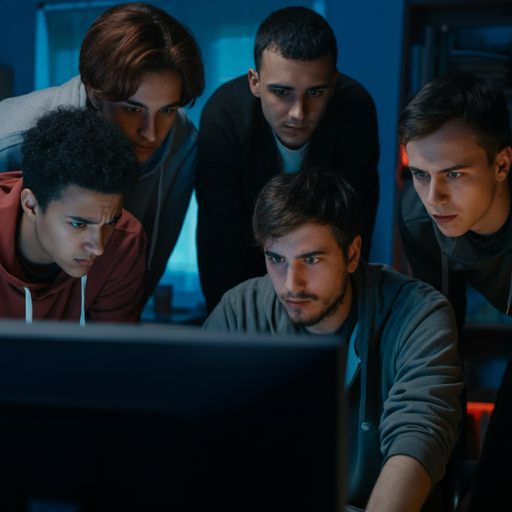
312 195
130 40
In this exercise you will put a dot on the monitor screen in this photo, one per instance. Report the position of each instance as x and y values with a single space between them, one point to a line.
122 418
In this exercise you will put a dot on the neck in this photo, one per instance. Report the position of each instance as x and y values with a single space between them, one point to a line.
29 246
335 320
498 212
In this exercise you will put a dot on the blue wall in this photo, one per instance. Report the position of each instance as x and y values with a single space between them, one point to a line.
369 35
17 41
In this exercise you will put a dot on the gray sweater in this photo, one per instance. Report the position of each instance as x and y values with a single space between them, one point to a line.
405 399
161 196
449 263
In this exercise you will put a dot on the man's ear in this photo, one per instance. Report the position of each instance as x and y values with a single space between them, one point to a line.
29 204
94 97
254 82
503 160
354 254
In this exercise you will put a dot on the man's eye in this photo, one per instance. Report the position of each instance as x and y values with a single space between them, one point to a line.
454 174
168 110
78 224
311 260
132 110
277 259
420 174
280 92
314 92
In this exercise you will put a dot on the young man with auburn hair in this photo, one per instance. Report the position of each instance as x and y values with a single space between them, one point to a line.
403 372
454 217
138 67
67 249
292 110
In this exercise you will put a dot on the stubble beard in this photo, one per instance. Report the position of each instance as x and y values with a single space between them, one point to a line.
331 305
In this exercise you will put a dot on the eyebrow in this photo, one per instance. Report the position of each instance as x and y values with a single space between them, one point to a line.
288 88
87 221
299 256
141 105
442 171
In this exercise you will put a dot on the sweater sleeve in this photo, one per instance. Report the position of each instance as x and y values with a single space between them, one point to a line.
422 409
220 196
222 318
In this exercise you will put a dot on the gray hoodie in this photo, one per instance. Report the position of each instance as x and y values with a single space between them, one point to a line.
162 194
405 397
449 263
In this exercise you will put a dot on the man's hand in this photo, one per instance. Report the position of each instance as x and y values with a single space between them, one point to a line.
403 486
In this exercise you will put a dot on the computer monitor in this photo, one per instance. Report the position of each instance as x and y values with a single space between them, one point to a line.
136 418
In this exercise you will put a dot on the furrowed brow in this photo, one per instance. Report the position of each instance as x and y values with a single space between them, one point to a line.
310 254
442 171
141 105
279 86
81 220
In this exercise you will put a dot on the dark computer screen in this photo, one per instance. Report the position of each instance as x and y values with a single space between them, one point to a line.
134 418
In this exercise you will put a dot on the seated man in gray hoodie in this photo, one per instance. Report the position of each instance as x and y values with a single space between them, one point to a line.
404 372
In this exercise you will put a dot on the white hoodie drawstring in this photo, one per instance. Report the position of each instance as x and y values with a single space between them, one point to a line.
82 314
28 306
28 303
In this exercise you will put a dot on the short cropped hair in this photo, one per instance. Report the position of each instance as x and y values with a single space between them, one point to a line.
75 146
295 33
130 40
478 104
312 195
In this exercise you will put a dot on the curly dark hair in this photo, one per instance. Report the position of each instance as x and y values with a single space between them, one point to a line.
312 195
75 146
295 33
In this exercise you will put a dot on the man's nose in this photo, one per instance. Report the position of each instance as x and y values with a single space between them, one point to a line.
294 278
437 193
95 243
147 129
298 110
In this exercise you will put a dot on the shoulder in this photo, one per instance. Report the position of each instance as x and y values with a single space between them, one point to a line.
20 113
349 93
128 237
413 219
233 99
244 307
184 133
411 208
251 294
404 295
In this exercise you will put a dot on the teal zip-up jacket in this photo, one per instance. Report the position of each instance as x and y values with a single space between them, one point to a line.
405 397
449 263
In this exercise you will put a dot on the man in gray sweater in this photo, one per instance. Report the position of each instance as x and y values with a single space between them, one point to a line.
403 370
454 215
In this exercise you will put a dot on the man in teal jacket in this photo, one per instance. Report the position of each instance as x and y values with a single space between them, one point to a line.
454 217
403 368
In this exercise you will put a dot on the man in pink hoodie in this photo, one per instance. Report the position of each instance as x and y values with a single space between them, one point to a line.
68 251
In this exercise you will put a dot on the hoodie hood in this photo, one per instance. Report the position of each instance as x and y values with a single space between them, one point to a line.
19 293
